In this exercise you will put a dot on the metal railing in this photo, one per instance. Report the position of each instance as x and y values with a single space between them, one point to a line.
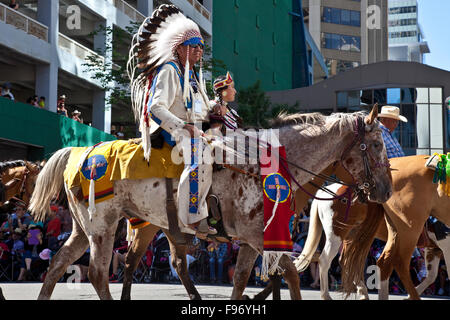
200 8
23 22
77 49
128 9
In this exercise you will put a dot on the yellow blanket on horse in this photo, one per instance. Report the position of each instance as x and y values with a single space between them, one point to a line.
117 160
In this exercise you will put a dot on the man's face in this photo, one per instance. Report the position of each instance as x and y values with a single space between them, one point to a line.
389 123
195 54
20 212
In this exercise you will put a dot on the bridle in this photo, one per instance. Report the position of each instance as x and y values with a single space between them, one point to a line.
360 135
354 190
23 189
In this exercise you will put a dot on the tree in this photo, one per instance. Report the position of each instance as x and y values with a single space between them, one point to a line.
256 109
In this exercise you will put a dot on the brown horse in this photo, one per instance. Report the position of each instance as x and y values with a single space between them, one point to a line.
18 178
415 198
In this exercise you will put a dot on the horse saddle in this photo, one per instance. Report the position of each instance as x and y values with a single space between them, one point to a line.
432 162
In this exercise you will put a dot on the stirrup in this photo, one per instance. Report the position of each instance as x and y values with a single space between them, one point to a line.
203 230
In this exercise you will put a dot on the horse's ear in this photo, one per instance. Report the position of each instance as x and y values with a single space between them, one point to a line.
372 115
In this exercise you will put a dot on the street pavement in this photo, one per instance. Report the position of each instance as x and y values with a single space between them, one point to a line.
155 291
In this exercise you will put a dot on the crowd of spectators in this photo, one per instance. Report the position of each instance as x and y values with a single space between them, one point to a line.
39 102
27 246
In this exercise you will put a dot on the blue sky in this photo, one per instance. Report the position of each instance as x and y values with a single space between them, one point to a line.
434 19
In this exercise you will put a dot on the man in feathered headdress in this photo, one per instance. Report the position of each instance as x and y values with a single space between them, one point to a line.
169 93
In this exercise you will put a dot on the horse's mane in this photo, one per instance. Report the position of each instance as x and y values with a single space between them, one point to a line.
284 119
11 164
343 120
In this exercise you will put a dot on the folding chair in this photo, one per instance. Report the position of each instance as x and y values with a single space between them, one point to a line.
142 273
7 269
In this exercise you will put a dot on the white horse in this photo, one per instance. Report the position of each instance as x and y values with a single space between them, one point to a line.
325 216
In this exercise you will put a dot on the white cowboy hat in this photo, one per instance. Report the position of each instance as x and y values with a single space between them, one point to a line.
391 112
76 112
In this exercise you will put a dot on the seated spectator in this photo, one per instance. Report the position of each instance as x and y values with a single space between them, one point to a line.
217 253
20 219
4 251
61 106
66 220
53 228
13 4
16 244
6 91
76 116
40 265
119 252
33 245
42 102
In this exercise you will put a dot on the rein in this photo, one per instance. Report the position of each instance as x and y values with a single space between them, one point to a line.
347 196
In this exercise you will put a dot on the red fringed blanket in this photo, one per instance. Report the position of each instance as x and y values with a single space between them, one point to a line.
277 212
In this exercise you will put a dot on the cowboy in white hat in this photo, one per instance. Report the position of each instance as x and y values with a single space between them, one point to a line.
389 118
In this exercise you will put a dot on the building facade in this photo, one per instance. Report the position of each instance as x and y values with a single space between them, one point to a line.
44 47
406 40
266 41
421 92
349 33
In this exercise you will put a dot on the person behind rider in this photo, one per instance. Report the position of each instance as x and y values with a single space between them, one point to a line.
223 116
389 118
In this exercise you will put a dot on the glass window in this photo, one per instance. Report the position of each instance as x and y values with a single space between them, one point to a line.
345 17
342 99
407 95
354 98
326 40
423 128
326 15
366 96
335 41
436 129
355 18
422 95
435 95
408 129
379 96
393 95
335 15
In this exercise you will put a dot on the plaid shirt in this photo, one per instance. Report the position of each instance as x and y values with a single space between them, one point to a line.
393 148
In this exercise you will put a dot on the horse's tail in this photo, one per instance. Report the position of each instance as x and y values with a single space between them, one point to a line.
356 248
49 183
312 240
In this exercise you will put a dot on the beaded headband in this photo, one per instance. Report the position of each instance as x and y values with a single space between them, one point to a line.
224 83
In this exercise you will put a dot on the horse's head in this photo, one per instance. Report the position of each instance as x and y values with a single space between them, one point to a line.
29 175
366 158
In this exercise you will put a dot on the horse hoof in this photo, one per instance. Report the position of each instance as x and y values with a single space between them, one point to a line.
246 297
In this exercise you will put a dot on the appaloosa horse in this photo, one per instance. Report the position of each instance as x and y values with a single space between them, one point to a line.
353 139
415 198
